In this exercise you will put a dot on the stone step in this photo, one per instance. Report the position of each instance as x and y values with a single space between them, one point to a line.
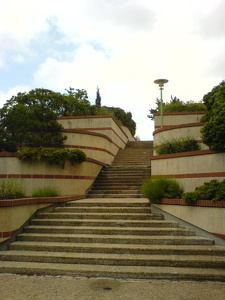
115 216
116 186
107 203
109 210
136 195
188 261
57 217
116 272
49 245
34 234
68 226
114 191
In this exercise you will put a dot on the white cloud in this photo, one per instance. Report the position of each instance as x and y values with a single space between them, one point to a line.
120 45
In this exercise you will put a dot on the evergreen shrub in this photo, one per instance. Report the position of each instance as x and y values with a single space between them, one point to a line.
184 144
155 189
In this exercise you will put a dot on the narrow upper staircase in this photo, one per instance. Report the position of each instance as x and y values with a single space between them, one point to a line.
125 176
112 238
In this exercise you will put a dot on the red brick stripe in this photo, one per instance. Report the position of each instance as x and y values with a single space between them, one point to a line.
201 203
90 148
184 154
46 176
193 175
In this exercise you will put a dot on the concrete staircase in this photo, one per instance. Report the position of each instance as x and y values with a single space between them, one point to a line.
125 176
112 238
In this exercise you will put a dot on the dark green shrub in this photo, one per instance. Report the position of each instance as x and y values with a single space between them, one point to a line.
190 198
155 189
45 192
213 132
177 145
52 155
213 190
11 188
177 105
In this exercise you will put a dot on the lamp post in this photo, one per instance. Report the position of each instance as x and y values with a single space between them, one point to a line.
161 82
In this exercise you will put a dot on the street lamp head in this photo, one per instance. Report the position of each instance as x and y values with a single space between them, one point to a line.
161 82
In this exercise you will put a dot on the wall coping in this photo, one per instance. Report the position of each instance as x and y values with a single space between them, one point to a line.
166 128
28 201
199 203
184 154
182 113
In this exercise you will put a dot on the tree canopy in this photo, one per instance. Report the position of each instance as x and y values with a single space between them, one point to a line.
213 132
30 119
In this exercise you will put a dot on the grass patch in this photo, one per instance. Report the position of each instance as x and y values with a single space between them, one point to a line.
11 188
44 192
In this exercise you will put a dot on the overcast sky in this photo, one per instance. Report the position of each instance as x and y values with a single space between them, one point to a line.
122 46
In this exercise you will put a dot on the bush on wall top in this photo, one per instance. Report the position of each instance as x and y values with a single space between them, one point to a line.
184 144
52 155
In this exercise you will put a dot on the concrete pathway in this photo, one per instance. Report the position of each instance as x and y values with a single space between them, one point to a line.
17 287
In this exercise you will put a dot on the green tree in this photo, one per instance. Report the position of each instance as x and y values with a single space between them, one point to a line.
213 132
124 117
30 119
77 103
98 98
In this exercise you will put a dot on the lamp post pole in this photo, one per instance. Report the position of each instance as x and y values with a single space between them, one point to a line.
161 83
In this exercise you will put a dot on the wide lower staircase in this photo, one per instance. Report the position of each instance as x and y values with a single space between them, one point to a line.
125 176
112 238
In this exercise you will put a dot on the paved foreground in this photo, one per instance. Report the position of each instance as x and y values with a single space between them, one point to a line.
17 287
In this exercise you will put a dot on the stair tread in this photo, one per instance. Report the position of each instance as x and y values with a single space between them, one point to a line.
102 256
140 229
29 268
197 249
125 237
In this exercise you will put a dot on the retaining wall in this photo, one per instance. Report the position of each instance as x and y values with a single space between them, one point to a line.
85 133
201 215
191 169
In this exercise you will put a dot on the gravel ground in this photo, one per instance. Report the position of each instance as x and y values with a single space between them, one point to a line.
17 287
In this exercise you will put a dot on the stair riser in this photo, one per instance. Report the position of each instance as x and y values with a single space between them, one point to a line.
116 217
115 275
115 196
112 210
115 223
112 249
120 231
120 204
117 192
170 262
115 240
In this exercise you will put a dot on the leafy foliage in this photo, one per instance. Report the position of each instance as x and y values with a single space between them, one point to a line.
30 119
213 132
177 105
52 155
155 189
124 117
212 190
11 188
77 103
184 144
